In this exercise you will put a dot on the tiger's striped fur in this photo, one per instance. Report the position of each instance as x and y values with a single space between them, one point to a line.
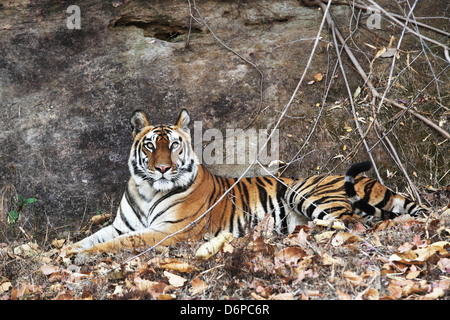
170 193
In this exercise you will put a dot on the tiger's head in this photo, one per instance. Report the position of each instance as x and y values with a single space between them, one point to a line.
162 155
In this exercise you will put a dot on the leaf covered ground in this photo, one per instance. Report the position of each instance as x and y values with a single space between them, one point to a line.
403 258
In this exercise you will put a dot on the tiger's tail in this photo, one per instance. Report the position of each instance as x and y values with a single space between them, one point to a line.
359 205
349 185
389 207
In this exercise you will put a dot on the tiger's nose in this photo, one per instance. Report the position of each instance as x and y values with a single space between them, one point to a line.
162 168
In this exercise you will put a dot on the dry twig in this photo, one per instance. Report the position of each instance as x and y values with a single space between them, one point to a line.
382 97
367 81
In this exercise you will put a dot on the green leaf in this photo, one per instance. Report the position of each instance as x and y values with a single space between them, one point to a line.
20 200
13 216
29 200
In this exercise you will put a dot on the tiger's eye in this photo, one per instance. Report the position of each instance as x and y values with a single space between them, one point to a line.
149 146
175 145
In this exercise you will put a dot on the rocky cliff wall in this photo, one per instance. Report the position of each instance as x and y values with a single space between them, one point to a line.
66 93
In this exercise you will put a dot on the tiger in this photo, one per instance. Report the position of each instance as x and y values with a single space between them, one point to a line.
170 197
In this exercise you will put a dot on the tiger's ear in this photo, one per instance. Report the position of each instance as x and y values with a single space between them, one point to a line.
183 120
139 121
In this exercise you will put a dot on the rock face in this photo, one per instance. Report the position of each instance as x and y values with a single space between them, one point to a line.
66 94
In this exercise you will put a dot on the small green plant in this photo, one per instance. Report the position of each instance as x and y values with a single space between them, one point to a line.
13 215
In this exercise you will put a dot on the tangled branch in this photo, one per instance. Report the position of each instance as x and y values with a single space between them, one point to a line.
382 97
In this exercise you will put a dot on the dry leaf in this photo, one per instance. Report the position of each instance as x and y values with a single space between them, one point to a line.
433 295
399 258
116 274
413 274
357 92
213 246
417 241
77 277
421 255
157 289
298 237
259 245
178 266
256 296
359 228
301 270
118 290
279 162
282 296
302 237
166 296
5 286
329 260
437 247
402 288
344 238
29 249
57 287
67 251
197 286
292 259
143 284
406 256
100 218
444 265
64 296
324 235
371 294
312 293
405 247
444 284
289 256
49 269
25 289
60 275
347 127
353 278
173 264
389 52
58 243
394 290
376 240
415 287
318 77
342 295
174 279
264 291
380 52
325 223
227 247
384 225
265 227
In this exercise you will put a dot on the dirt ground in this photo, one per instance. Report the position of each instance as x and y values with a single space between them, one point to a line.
404 258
